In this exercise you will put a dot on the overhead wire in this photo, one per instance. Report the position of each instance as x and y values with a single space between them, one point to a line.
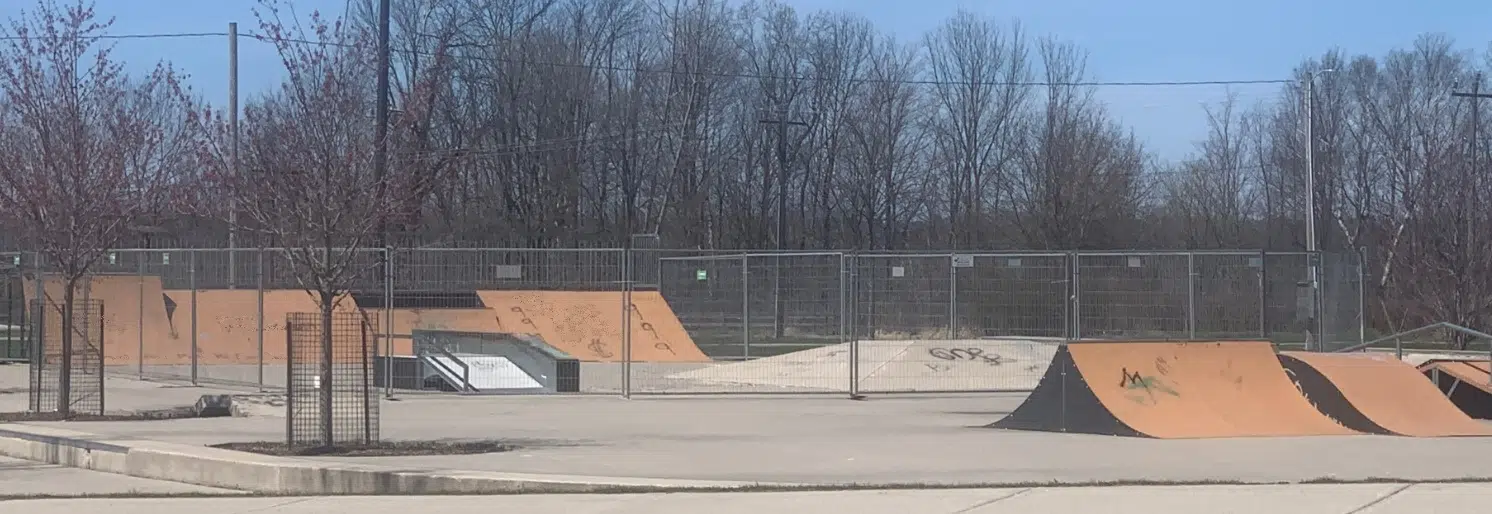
712 74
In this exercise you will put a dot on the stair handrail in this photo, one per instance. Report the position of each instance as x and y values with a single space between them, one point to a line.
1398 338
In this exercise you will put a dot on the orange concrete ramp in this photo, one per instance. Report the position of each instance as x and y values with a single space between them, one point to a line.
1378 394
125 323
1170 390
407 320
228 325
588 324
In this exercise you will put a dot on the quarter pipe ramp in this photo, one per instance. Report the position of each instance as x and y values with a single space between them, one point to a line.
1169 390
588 324
134 312
1377 394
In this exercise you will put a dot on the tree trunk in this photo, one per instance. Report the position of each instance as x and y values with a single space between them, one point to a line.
326 370
65 380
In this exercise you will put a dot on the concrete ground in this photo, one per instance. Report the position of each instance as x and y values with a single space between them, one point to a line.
26 478
1272 499
828 440
121 393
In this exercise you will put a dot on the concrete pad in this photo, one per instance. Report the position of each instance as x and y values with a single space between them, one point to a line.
1365 499
822 440
20 478
1274 499
122 394
1422 498
281 475
995 364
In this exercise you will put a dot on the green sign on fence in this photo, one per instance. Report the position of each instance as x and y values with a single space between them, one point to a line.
700 275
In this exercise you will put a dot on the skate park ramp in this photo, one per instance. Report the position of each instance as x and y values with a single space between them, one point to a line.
228 325
408 320
1169 390
588 324
127 319
1377 394
885 366
1464 383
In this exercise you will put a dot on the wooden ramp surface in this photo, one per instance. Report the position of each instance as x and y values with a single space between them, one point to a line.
1199 389
588 324
228 325
125 323
1471 373
1392 396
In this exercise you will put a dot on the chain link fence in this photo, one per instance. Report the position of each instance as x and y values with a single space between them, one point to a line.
647 319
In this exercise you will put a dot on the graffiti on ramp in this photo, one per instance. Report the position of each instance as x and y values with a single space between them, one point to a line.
1141 389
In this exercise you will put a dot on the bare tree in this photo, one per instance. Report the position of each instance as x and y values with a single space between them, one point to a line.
980 71
87 152
308 182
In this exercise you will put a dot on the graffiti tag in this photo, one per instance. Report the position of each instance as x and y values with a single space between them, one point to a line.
1141 389
965 354
599 349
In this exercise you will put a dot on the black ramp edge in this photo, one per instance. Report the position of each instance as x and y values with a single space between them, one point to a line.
1063 402
1327 398
1470 399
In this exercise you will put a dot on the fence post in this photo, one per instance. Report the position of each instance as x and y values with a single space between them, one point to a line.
388 323
1191 295
192 278
1077 296
745 306
952 295
140 325
627 319
846 297
1362 287
1263 294
259 316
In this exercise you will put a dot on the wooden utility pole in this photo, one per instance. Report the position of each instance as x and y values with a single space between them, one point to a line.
1472 182
782 120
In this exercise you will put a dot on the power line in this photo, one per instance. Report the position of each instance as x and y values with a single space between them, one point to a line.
712 74
168 35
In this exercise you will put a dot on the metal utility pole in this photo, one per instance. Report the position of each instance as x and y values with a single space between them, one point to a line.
1313 259
1476 95
782 120
232 151
1472 184
1310 178
381 120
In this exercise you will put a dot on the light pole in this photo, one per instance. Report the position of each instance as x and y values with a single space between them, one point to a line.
1313 258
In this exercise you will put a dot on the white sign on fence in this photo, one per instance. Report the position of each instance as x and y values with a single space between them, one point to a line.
963 261
898 271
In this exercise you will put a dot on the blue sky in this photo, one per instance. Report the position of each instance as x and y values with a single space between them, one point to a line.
1136 40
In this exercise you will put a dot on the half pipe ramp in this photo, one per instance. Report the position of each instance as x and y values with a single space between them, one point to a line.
1377 394
1169 390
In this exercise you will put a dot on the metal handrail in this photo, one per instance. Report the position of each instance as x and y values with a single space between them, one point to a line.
1398 338
465 369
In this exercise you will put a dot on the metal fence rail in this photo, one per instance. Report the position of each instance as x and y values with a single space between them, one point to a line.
660 320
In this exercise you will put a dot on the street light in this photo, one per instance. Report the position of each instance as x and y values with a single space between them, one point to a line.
1313 259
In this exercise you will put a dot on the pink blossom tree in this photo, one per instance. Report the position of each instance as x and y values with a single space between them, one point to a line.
87 151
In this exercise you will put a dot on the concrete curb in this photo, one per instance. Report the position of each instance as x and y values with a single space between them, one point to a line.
266 474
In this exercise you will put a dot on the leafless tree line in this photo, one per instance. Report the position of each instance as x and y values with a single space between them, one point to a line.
554 123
